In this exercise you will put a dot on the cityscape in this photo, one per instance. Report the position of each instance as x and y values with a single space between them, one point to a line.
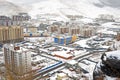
59 40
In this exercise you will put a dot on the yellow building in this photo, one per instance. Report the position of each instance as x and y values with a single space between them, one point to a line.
1 34
32 29
74 38
13 33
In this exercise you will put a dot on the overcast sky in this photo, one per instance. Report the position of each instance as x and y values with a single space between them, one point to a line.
112 3
25 1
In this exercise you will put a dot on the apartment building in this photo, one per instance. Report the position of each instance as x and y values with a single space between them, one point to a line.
118 36
86 32
17 61
53 28
21 17
14 19
74 30
12 33
5 21
63 30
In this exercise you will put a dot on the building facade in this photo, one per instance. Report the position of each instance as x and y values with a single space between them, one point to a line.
53 28
14 19
5 21
63 30
72 29
17 61
13 33
118 36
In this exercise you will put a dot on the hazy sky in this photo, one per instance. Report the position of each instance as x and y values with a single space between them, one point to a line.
25 1
112 3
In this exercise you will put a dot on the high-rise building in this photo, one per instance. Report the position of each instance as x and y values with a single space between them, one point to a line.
17 61
63 30
13 33
5 21
53 28
14 19
86 32
74 30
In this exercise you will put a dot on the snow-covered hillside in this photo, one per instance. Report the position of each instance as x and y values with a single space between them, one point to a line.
47 7
8 8
89 8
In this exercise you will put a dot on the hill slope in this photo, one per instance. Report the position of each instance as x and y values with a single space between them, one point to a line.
90 8
8 8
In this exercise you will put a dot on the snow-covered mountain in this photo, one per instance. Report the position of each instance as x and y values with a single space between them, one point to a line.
9 8
111 3
90 8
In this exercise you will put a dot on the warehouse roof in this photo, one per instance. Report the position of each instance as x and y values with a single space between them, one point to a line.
62 54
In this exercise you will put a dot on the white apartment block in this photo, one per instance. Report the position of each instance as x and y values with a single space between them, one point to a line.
17 59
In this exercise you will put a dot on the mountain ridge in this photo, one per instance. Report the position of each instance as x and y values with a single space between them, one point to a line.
89 8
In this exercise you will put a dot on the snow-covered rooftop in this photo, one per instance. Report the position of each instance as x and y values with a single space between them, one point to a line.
72 62
62 54
83 42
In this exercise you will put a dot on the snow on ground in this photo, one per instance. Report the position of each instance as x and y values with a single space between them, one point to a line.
95 57
83 42
36 39
110 78
80 52
117 45
114 54
49 7
105 31
86 20
109 25
88 8
46 62
68 48
69 11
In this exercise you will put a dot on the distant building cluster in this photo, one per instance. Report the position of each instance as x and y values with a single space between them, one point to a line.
85 31
11 34
14 19
105 17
